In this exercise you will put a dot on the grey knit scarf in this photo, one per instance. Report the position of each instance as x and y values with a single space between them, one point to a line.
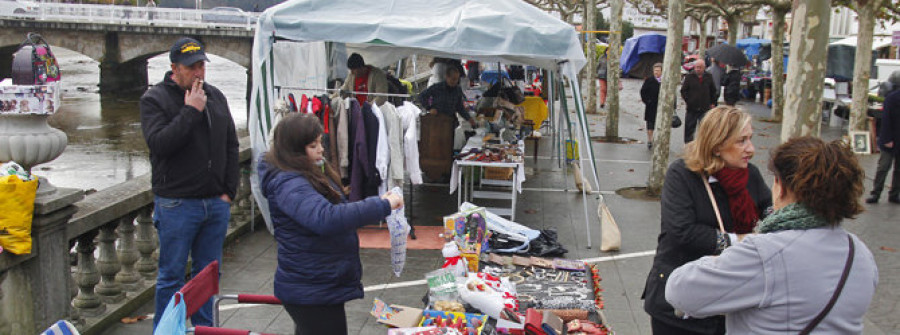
792 217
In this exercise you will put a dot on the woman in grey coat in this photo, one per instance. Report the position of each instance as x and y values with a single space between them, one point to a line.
779 281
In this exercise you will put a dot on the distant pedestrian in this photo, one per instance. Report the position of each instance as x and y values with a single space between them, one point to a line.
601 75
698 91
650 97
888 137
717 71
732 83
801 272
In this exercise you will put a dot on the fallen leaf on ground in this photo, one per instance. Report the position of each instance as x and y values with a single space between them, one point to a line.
135 319
889 249
530 211
630 170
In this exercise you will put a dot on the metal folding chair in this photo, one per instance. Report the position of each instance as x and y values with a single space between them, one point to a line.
205 285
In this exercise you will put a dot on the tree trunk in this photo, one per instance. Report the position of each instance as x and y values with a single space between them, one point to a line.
734 24
589 25
778 63
862 68
670 78
809 43
701 44
613 72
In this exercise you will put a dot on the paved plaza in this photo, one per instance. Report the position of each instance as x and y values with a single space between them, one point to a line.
550 200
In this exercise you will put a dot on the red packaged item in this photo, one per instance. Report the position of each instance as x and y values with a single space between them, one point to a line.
533 322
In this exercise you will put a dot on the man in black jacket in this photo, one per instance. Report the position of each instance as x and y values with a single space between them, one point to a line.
888 134
698 91
194 157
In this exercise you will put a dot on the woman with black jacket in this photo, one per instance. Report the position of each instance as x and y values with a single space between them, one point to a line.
650 97
720 156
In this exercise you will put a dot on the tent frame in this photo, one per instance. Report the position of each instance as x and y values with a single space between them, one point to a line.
263 93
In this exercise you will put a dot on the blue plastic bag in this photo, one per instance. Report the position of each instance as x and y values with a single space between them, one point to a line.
172 320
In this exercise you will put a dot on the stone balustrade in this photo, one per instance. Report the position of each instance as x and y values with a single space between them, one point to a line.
114 271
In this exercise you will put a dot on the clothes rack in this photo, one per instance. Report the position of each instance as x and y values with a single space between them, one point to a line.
347 92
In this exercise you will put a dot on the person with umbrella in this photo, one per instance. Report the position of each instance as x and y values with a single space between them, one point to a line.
732 83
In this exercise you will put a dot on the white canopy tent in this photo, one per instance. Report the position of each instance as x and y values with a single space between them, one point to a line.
507 31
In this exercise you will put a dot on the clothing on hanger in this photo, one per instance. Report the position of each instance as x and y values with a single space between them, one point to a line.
409 116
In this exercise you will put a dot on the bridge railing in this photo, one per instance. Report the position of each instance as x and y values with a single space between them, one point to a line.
134 15
112 270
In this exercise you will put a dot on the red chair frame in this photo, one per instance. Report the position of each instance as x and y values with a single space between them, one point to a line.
205 285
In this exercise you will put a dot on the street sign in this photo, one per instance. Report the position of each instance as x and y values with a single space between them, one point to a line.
896 40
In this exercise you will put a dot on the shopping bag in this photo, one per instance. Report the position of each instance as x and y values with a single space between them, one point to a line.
399 229
173 319
16 210
61 327
610 236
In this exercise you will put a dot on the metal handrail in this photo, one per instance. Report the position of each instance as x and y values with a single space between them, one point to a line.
134 15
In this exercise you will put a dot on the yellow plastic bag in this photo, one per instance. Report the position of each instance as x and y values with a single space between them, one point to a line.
16 210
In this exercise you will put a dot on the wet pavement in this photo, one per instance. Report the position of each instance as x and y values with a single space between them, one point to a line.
250 263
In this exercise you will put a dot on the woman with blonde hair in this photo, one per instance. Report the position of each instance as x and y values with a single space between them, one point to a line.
796 274
716 163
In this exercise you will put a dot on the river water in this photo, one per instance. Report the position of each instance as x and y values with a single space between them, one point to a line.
106 146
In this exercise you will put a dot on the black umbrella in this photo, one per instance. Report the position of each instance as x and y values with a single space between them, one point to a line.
728 54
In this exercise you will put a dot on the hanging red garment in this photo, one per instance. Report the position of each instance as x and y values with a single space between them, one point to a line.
304 101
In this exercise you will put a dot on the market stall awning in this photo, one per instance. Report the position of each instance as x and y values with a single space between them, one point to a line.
640 45
509 31
751 46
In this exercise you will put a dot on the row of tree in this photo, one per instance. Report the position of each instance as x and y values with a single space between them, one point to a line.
799 110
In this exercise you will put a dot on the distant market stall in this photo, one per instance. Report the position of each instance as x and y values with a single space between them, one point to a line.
640 53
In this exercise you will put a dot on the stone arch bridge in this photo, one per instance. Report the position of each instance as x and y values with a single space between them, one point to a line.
122 48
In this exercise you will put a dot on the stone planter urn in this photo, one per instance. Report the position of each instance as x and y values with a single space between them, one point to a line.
27 139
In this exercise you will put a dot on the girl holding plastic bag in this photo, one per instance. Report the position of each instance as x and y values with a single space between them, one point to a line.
315 227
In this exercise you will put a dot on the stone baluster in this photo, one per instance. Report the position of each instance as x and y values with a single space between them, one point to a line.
87 302
146 244
239 207
109 290
128 277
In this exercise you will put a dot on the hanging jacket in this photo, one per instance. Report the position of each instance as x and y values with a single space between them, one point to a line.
359 153
318 249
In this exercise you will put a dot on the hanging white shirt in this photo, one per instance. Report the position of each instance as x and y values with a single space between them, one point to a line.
382 157
395 146
409 117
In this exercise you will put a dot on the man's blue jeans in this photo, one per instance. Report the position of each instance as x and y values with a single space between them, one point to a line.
194 226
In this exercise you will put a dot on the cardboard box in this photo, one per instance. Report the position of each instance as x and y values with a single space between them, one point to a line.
396 315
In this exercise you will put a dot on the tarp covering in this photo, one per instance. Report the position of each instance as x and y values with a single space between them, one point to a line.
751 46
842 57
507 31
638 45
644 67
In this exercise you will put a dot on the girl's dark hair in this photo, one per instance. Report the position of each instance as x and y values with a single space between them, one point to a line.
288 153
825 177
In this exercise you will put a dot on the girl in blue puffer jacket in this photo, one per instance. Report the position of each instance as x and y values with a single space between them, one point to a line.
315 227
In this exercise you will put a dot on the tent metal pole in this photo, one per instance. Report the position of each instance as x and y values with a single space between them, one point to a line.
585 134
582 117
